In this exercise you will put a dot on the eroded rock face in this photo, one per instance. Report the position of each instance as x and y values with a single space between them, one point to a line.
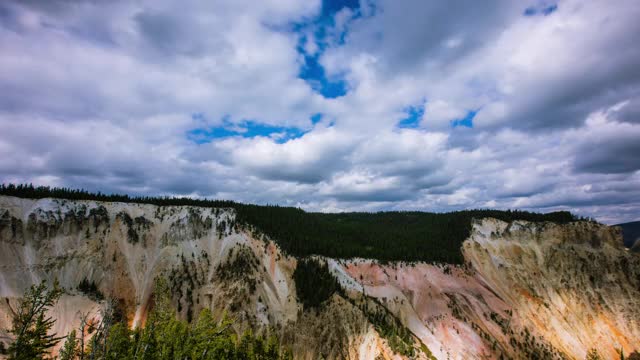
527 290
209 262
574 285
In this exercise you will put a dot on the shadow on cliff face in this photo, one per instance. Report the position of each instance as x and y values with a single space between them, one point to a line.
631 235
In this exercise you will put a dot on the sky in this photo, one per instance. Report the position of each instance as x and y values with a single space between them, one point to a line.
329 105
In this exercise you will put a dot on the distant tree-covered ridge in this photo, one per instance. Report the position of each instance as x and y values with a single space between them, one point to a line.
386 236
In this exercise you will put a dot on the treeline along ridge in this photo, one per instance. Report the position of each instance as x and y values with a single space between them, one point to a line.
386 236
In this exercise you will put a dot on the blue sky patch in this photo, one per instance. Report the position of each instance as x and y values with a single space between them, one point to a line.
312 71
245 129
466 121
540 9
330 7
414 115
316 118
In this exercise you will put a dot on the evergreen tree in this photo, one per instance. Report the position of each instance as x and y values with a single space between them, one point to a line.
119 343
164 337
314 282
69 350
98 343
31 325
210 339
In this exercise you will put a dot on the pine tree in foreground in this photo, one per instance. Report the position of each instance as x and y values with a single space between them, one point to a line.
165 337
70 348
31 325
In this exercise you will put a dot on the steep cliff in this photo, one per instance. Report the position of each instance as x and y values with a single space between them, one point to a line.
208 261
574 285
527 290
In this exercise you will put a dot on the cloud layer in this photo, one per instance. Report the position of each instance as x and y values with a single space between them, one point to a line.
335 106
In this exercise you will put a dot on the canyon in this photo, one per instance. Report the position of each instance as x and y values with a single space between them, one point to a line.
525 290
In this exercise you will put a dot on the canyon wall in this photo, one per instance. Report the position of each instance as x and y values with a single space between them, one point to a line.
527 290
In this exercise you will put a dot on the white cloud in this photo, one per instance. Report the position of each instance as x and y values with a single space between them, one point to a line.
438 114
101 95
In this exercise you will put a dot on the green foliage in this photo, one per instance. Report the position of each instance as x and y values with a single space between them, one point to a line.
70 349
31 325
90 289
530 346
132 234
314 282
238 265
39 192
399 338
120 342
241 266
386 236
166 337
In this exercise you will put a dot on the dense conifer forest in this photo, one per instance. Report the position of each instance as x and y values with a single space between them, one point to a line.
386 236
314 283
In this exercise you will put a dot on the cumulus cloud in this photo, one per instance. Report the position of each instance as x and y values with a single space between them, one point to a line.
528 105
439 114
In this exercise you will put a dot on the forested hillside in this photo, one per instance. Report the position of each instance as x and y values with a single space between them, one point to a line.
386 236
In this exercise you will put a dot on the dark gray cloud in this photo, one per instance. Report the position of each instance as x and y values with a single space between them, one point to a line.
170 35
605 155
629 111
100 95
405 37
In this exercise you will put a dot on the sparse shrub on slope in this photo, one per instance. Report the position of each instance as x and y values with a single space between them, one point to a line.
593 354
241 267
398 337
90 289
